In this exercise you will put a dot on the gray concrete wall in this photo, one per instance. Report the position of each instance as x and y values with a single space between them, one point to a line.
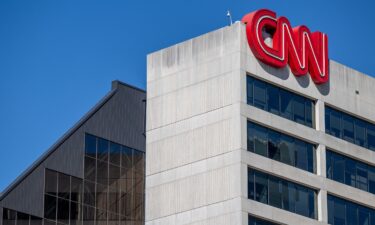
196 166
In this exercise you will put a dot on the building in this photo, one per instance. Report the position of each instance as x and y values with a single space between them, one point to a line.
234 141
94 173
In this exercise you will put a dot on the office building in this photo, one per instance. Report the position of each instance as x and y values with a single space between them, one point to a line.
234 141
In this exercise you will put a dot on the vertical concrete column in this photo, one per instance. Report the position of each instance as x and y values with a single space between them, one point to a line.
322 206
319 116
321 160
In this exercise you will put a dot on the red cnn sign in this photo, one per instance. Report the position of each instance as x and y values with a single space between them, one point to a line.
302 50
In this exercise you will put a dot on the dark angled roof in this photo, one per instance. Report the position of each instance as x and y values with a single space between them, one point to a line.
60 141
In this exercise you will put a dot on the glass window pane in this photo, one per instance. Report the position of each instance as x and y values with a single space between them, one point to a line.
329 164
102 173
250 137
75 213
302 201
101 217
114 177
299 109
273 145
371 136
76 189
101 196
51 182
289 196
63 211
348 128
260 140
261 187
335 123
311 158
113 201
275 192
339 212
35 220
89 193
301 154
103 149
22 218
250 186
338 163
371 179
9 217
88 215
90 169
250 84
286 102
363 216
360 132
273 99
309 112
287 150
50 204
362 176
328 119
64 186
126 157
260 94
350 172
351 214
115 154
90 145
49 222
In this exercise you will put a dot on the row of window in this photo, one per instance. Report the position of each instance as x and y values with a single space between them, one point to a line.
349 128
281 193
280 101
342 212
351 172
301 110
280 147
11 217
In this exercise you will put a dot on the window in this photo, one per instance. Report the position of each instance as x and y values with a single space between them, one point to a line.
349 128
341 211
257 221
113 184
351 172
281 193
280 147
280 101
11 217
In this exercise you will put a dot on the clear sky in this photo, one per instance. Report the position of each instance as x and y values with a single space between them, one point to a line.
58 57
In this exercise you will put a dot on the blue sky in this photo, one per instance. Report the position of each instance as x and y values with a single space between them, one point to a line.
57 58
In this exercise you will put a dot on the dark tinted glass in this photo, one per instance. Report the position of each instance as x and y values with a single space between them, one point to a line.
90 169
89 193
22 218
286 104
90 145
64 186
280 147
51 182
349 128
50 205
351 172
103 149
282 194
115 154
63 211
341 211
36 220
9 217
75 213
76 189
126 157
257 221
260 94
102 173
279 101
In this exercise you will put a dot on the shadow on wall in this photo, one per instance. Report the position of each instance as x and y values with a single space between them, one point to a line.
304 81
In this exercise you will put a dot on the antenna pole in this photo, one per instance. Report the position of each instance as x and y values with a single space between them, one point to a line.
229 15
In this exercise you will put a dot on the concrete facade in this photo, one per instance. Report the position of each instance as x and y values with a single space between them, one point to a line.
196 126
